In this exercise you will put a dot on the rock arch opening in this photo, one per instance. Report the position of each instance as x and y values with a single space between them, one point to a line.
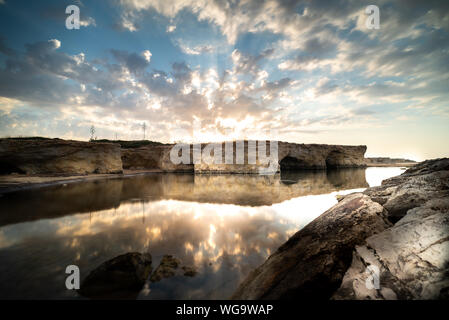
334 160
290 164
7 167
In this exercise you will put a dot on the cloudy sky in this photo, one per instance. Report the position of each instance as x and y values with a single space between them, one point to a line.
298 71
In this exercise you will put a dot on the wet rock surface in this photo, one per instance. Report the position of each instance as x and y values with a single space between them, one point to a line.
312 263
120 277
330 257
170 267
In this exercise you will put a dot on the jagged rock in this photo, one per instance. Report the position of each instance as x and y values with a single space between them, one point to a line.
120 277
311 264
427 180
171 266
166 269
412 257
56 156
189 271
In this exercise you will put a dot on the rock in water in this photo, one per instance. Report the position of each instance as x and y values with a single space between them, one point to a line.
120 277
171 266
312 263
189 271
166 269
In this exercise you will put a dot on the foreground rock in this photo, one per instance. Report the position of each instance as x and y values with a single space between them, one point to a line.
413 256
56 156
416 186
120 277
312 263
331 255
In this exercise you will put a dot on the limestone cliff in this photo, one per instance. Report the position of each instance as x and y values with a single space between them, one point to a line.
291 156
56 156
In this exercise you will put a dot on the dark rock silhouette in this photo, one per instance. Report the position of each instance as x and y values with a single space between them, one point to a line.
120 277
169 267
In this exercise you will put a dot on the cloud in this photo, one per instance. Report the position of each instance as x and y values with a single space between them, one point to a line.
197 50
170 28
88 22
325 70
133 61
247 63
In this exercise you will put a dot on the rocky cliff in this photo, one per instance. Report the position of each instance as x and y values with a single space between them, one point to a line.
401 227
291 156
152 157
56 156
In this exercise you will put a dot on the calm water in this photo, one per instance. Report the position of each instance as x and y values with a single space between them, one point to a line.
224 225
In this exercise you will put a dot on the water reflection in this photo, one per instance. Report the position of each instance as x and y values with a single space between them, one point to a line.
223 225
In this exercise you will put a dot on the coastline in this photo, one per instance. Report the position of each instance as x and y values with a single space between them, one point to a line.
18 182
399 165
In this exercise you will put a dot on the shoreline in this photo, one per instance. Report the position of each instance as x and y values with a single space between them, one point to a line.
19 182
395 165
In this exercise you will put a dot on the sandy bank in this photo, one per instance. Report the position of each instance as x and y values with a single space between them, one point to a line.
17 182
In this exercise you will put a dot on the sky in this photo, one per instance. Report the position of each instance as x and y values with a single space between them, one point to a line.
210 70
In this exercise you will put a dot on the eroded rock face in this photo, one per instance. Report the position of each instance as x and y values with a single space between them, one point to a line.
320 156
413 255
311 264
152 157
120 277
291 156
55 156
416 186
